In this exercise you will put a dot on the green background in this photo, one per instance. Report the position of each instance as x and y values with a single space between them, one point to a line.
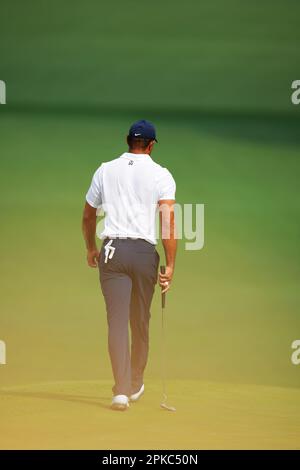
215 77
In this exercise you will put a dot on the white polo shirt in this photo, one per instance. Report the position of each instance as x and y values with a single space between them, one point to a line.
128 190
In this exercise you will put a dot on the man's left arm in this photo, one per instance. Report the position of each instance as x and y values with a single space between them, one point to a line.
89 220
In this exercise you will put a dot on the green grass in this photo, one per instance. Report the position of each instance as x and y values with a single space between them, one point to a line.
215 78
233 309
76 415
208 55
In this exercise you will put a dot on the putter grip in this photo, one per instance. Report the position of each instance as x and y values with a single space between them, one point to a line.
163 296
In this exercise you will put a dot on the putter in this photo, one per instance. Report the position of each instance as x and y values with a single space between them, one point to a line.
163 304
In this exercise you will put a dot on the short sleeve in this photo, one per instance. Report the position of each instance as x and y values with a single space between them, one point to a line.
94 194
166 185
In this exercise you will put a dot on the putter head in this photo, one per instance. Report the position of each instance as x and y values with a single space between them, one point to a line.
166 407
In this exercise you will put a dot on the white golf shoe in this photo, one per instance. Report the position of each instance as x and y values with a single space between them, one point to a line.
120 403
137 395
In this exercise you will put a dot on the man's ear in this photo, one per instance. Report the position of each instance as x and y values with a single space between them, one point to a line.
127 140
151 145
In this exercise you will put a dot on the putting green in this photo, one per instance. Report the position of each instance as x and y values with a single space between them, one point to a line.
76 415
216 81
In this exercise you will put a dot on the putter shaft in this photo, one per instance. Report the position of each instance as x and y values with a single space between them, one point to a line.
163 303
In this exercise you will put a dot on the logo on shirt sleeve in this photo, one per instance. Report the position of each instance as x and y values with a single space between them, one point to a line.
130 162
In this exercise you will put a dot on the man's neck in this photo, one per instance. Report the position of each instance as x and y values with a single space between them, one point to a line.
138 152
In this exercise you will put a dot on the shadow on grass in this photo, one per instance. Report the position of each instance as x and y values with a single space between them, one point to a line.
269 127
91 401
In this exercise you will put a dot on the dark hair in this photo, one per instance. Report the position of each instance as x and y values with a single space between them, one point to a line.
138 142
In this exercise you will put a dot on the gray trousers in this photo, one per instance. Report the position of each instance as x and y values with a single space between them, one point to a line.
127 283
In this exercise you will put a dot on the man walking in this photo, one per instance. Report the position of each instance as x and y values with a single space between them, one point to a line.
130 189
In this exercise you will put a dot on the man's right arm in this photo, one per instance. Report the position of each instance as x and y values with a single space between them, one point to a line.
169 241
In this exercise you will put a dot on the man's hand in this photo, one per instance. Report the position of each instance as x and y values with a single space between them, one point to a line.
92 258
165 279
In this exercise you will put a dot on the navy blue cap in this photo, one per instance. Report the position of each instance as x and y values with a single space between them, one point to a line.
143 129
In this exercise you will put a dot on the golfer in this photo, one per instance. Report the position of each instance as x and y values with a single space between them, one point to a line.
130 189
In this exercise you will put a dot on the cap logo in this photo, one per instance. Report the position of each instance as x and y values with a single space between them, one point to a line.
136 134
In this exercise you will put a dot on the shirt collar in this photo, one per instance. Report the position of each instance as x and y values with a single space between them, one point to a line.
134 156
